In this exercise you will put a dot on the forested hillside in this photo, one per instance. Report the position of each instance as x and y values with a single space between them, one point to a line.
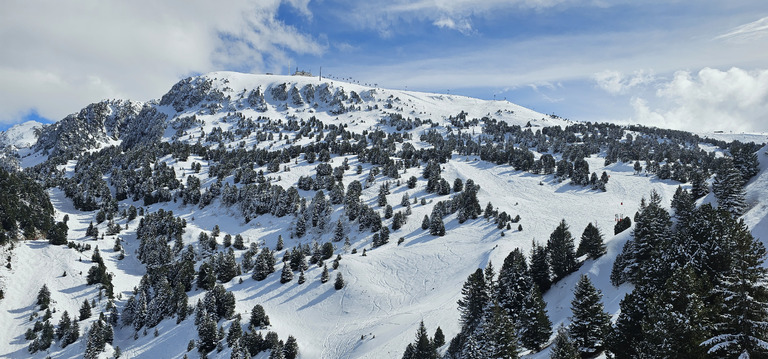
283 217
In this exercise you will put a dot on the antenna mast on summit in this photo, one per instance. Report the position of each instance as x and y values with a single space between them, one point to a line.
320 77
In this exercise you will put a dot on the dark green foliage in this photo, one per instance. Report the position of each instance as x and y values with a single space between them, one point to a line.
439 338
514 283
590 324
425 223
540 271
474 298
259 318
563 347
535 328
677 319
85 310
622 225
25 206
206 278
57 235
639 258
729 189
44 297
339 283
234 333
740 324
591 243
423 347
291 348
561 252
324 276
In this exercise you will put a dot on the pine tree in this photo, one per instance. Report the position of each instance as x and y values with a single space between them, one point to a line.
729 189
590 324
499 334
324 276
563 347
638 261
422 347
514 283
561 251
234 334
302 278
339 283
540 272
439 338
44 297
742 321
474 298
287 274
259 318
425 223
208 334
535 326
591 243
291 348
85 310
677 320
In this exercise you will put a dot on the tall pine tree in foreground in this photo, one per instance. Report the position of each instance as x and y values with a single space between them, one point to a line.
535 328
741 326
561 251
590 324
729 188
591 243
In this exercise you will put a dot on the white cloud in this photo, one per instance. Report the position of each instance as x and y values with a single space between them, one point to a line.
463 25
615 82
753 30
59 56
733 100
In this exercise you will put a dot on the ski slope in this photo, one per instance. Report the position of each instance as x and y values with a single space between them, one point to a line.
388 291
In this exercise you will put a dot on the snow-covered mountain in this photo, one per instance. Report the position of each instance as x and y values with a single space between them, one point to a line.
279 130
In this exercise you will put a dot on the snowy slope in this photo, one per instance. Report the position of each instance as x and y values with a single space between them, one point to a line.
21 135
391 289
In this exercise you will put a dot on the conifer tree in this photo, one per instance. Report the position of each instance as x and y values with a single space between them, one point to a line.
474 298
540 269
591 243
561 251
563 347
287 275
44 297
259 318
535 328
742 319
514 284
590 324
324 277
291 348
425 223
439 338
729 189
422 347
85 310
498 334
339 283
677 319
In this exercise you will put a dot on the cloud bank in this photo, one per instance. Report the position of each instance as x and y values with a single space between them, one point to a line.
58 56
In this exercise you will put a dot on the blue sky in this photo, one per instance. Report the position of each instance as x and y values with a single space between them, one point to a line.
694 65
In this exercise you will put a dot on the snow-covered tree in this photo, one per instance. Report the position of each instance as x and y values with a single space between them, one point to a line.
590 324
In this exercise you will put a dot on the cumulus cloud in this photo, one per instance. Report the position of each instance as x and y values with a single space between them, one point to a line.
59 56
733 100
